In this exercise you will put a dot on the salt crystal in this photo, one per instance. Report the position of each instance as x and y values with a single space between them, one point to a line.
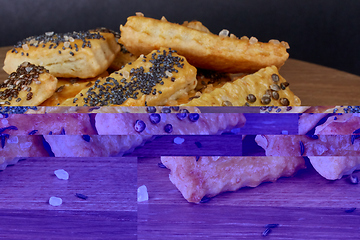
25 47
139 14
169 74
253 40
55 201
61 174
224 33
13 139
142 194
66 44
49 33
284 132
178 140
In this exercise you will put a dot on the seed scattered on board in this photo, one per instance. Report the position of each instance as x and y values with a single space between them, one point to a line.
142 194
61 174
55 201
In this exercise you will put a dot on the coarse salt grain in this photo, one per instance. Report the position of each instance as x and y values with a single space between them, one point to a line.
66 44
224 33
233 36
244 38
61 174
13 139
126 74
25 47
139 14
253 40
163 19
169 74
49 33
274 41
55 201
178 140
142 194
25 145
284 132
71 39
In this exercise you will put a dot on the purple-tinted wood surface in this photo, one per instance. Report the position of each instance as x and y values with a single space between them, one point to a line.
305 206
109 212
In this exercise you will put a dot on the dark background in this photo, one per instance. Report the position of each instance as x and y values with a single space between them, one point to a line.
322 32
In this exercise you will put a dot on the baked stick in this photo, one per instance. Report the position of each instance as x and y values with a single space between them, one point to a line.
152 80
141 35
167 123
309 145
77 54
47 124
335 167
198 177
265 87
28 85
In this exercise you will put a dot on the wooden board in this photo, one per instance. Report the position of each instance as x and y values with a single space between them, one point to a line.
108 213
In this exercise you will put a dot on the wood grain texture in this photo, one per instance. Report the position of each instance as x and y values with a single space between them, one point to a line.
314 84
306 206
108 213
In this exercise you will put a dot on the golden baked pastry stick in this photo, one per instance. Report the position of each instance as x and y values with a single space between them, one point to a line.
68 88
29 85
336 167
167 123
265 87
311 145
197 177
77 54
151 80
141 35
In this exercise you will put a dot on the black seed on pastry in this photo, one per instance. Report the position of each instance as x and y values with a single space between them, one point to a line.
50 133
62 131
33 132
8 128
284 101
313 136
275 77
284 85
197 158
175 108
139 126
357 131
151 109
168 128
155 118
302 148
166 110
193 117
3 139
265 100
353 138
288 108
275 87
181 116
226 104
251 98
86 138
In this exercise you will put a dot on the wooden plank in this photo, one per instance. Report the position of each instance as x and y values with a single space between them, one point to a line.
110 212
